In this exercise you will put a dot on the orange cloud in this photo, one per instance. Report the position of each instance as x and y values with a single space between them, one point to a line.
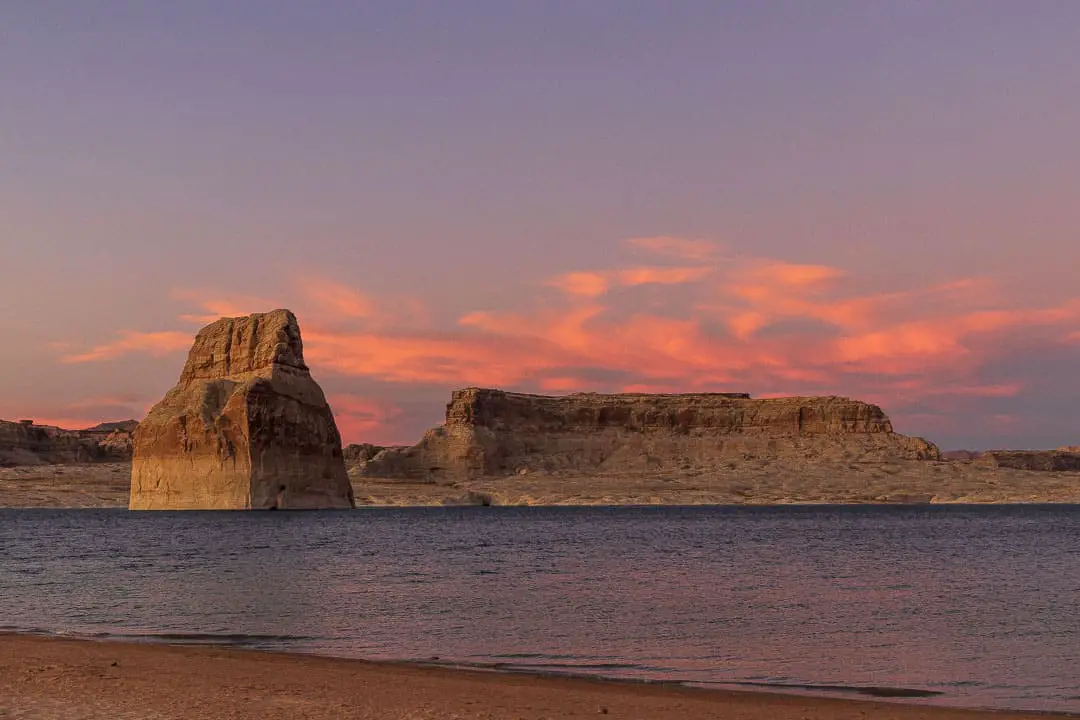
365 419
318 297
332 298
151 343
419 358
215 308
772 273
740 324
588 284
310 296
675 247
594 284
661 275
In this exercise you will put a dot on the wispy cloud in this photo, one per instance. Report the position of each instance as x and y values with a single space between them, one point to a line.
686 249
594 284
331 298
713 321
213 306
151 343
372 419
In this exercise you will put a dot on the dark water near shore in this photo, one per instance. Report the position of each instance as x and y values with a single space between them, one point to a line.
974 606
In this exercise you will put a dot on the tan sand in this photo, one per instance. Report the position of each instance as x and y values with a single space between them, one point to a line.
64 679
750 482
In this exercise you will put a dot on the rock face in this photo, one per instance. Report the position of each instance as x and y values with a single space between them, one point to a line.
24 443
1063 460
495 433
246 427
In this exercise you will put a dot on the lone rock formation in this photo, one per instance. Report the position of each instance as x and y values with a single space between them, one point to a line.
492 433
246 427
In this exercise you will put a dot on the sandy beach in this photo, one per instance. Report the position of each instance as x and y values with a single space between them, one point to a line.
66 679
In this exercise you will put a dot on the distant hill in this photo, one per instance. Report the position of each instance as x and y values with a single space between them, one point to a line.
961 454
121 426
24 443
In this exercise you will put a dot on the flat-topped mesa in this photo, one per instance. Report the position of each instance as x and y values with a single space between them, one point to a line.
492 432
246 427
718 412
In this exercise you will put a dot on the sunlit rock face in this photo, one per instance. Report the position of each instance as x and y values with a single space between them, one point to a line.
246 427
492 433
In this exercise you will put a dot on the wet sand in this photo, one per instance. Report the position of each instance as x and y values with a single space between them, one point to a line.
64 679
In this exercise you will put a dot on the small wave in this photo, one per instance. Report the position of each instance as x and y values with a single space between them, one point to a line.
870 690
192 638
593 671
556 666
46 632
214 638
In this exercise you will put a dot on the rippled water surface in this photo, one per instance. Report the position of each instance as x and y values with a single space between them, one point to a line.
976 606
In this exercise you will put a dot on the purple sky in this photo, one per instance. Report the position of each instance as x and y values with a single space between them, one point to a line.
879 200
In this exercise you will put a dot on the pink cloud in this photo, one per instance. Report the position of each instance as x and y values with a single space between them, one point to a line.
594 284
675 247
218 306
753 324
782 274
154 344
587 284
365 419
335 299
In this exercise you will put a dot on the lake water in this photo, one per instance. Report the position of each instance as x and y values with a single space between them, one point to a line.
972 606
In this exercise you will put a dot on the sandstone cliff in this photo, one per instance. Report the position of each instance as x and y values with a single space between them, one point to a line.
246 427
1063 460
491 433
24 443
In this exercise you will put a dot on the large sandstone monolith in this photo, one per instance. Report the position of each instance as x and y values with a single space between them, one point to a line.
246 427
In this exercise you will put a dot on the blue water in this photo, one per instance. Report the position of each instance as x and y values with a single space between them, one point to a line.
968 606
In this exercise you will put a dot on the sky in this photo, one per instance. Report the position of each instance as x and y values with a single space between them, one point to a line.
875 200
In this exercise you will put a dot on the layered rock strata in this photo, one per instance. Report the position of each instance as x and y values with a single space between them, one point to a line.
1062 460
24 443
491 433
246 427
